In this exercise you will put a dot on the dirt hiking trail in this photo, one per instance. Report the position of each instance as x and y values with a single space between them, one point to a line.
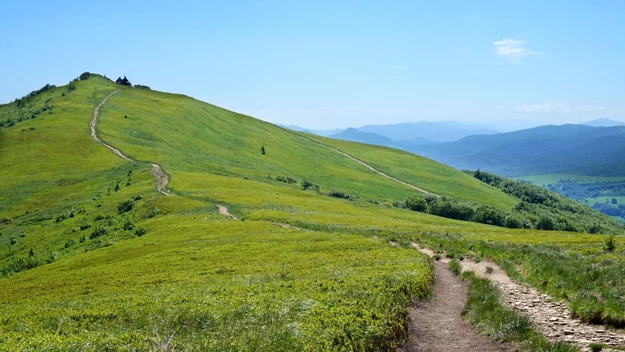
437 326
550 316
366 165
162 179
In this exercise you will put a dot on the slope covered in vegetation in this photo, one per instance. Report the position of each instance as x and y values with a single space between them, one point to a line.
93 257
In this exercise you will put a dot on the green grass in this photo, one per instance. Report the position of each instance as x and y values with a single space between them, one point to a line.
424 173
195 280
484 309
218 285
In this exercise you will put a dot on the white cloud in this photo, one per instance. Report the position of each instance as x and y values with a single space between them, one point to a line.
397 67
513 50
352 108
556 107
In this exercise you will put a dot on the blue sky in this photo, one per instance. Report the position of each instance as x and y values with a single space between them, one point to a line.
327 64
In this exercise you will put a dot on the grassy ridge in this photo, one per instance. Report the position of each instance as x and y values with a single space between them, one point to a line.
425 173
196 280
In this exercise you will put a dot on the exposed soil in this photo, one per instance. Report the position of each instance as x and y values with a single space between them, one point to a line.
94 122
224 211
437 326
367 165
287 226
550 316
161 180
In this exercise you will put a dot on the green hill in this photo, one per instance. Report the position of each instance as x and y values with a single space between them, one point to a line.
94 257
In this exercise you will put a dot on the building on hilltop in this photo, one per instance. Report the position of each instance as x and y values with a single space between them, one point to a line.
123 82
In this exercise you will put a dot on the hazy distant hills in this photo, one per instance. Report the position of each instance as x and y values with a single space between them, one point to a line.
576 149
439 131
604 122
595 148
404 134
354 135
323 133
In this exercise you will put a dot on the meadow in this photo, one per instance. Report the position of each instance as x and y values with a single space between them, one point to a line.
92 257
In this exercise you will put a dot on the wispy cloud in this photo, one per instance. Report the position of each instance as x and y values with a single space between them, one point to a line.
557 107
460 51
513 50
397 67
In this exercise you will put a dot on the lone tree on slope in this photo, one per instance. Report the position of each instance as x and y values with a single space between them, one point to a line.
262 150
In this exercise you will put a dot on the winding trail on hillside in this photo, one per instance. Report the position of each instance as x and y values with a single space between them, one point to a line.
437 325
162 179
550 316
366 165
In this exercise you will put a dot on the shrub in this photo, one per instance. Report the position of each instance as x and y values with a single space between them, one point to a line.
97 232
84 76
70 243
286 179
128 225
140 232
610 244
489 269
486 214
84 226
99 217
125 206
60 217
309 185
339 194
513 222
416 203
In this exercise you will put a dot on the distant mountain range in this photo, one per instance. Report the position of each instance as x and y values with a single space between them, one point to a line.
595 147
575 149
323 133
604 122
403 134
443 131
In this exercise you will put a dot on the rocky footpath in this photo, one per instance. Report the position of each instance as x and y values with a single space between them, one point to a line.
550 316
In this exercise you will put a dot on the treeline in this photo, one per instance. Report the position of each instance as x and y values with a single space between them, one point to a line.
582 190
538 209
541 208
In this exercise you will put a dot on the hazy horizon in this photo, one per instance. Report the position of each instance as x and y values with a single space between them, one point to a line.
328 64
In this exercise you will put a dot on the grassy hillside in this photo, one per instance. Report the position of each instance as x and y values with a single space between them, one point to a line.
94 258
425 173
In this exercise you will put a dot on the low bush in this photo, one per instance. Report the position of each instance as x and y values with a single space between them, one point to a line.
125 206
339 194
286 179
97 232
307 185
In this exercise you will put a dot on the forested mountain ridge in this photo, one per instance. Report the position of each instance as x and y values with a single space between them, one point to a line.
573 149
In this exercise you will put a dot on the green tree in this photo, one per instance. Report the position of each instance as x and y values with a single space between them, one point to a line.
416 203
262 150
